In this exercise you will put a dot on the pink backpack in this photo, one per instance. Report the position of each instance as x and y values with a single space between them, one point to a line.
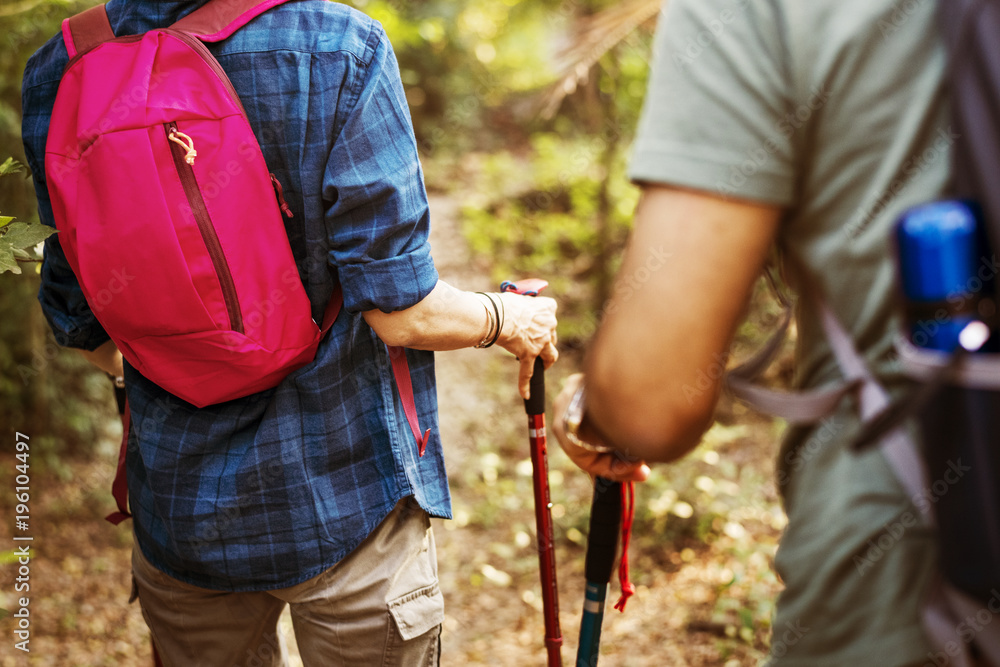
168 214
169 217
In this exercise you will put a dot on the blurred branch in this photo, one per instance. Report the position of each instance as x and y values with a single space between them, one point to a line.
593 37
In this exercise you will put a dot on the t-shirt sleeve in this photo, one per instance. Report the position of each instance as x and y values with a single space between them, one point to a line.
718 115
378 222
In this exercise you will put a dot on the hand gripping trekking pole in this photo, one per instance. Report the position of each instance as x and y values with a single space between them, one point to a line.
535 407
602 547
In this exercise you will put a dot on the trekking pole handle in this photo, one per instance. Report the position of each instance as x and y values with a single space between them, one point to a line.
602 547
531 287
605 525
536 404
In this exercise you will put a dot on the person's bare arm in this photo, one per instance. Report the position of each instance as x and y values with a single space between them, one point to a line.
450 319
106 357
447 319
653 373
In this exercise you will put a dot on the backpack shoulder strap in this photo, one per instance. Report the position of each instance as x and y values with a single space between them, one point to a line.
969 28
212 22
799 407
810 406
219 19
86 30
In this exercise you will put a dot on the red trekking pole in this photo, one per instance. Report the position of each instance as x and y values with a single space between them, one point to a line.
535 407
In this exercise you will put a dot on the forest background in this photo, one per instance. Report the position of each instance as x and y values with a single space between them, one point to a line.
525 113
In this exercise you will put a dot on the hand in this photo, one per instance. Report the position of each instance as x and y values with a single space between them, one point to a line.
617 466
529 331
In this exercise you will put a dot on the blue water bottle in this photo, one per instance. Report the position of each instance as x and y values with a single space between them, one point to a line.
941 249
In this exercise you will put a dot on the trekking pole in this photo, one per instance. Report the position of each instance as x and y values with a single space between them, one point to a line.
602 547
535 407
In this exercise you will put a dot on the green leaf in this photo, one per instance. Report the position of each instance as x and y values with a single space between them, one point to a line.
6 220
7 261
20 253
11 166
24 235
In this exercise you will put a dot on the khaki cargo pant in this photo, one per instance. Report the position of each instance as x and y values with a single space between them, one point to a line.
380 605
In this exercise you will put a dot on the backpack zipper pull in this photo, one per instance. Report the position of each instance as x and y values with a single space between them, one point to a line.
282 204
185 142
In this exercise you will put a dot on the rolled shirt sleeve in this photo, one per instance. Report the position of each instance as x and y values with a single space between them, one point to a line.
378 220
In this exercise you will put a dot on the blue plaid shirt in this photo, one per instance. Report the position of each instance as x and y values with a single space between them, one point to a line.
270 490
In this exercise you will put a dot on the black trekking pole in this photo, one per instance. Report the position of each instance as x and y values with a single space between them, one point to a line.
602 547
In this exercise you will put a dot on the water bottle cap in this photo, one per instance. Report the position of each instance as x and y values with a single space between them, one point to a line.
939 250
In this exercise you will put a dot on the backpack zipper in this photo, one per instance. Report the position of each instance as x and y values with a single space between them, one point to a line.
280 193
185 171
199 47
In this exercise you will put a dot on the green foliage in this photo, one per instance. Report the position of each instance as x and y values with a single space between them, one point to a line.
25 25
12 555
542 215
11 166
541 196
46 391
16 239
560 205
471 69
545 197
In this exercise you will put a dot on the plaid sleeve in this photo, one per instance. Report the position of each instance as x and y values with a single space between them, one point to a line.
63 304
378 220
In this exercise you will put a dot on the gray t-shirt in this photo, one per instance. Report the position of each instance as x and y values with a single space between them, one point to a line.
836 112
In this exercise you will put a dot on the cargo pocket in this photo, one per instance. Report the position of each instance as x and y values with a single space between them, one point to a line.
414 633
417 612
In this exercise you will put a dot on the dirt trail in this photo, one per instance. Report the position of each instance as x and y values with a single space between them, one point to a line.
489 568
457 370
